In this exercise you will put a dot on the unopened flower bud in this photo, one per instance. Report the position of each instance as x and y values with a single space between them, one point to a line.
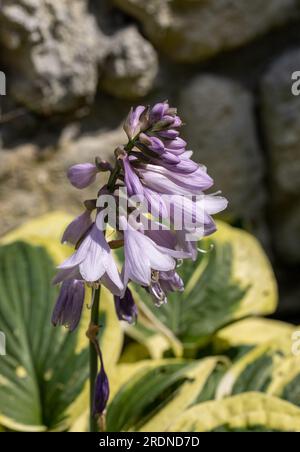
126 308
136 120
164 124
101 391
82 175
171 112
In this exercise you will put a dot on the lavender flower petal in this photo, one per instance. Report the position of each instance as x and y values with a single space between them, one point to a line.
142 256
69 304
158 111
169 134
178 144
82 175
77 228
163 180
99 261
94 261
156 205
132 181
132 125
171 282
66 274
213 204
153 143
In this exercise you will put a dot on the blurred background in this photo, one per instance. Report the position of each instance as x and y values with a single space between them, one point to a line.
74 68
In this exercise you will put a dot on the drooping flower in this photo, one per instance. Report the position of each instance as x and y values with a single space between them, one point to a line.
69 304
142 256
94 261
162 284
126 308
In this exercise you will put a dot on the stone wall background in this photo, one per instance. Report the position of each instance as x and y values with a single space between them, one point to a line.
74 67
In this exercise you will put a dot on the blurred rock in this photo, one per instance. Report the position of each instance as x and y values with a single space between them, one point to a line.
53 48
194 30
33 182
131 66
281 117
220 129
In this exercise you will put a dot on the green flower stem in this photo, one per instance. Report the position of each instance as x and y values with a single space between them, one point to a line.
117 169
94 325
93 354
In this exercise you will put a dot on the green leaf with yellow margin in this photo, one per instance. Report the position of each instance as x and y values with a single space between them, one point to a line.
145 393
286 380
186 395
245 412
249 332
150 394
254 370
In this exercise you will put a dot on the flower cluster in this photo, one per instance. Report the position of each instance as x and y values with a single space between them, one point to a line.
155 166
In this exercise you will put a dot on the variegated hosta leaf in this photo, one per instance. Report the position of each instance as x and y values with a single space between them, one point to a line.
153 394
248 333
46 231
286 380
233 280
245 412
254 370
199 378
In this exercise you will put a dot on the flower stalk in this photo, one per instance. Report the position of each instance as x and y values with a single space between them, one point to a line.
92 334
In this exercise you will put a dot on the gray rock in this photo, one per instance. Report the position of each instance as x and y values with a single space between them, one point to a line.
220 129
193 30
281 118
131 65
53 50
34 182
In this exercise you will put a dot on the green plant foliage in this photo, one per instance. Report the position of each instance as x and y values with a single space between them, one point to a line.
153 397
250 411
204 362
291 392
142 396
